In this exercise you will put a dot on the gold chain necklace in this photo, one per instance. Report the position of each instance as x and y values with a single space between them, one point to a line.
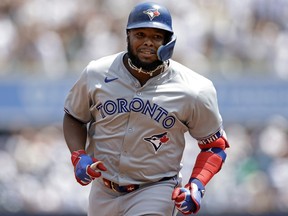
139 70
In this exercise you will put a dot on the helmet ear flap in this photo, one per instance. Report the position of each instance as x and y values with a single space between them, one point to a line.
165 52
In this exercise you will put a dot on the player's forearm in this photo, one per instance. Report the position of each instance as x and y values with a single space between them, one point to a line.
209 161
75 133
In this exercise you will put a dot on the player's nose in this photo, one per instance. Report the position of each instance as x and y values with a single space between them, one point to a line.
148 42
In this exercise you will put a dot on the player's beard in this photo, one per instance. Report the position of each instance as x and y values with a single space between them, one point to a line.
139 64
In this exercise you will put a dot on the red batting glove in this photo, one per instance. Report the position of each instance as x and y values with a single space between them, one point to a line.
188 199
82 162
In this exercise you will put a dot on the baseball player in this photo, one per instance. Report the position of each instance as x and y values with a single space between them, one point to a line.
125 120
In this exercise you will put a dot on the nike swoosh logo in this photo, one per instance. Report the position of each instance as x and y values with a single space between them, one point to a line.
107 80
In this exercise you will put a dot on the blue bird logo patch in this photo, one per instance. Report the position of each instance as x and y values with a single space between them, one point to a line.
157 140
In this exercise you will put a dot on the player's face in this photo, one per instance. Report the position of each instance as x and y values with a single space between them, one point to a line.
143 44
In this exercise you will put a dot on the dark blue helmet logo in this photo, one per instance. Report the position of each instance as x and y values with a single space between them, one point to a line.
152 13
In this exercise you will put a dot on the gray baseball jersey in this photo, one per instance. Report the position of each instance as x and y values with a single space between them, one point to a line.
138 131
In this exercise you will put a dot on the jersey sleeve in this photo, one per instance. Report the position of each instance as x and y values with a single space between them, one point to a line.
77 102
206 120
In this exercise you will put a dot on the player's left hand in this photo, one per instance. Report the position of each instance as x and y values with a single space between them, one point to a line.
188 199
86 168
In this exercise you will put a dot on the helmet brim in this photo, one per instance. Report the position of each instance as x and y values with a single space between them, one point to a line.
156 25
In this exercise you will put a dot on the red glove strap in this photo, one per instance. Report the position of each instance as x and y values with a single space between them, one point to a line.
75 156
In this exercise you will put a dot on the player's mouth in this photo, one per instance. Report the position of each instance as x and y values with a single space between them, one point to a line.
147 53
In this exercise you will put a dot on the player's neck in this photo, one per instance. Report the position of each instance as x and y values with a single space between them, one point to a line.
140 75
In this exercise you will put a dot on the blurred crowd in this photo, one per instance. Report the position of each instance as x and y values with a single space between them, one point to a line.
230 38
36 174
57 38
253 179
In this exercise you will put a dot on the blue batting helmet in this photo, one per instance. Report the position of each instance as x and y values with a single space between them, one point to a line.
153 15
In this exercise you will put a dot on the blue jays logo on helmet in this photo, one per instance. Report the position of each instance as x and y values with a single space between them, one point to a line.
152 13
157 140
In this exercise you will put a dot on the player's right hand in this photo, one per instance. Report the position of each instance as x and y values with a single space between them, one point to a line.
82 162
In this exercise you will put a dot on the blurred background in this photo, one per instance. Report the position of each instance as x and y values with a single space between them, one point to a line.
241 45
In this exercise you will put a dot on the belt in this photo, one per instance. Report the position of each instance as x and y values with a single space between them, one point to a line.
127 188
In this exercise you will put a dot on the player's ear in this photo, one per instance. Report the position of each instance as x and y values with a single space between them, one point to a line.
128 34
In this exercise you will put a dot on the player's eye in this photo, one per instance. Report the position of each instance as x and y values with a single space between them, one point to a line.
140 34
158 37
